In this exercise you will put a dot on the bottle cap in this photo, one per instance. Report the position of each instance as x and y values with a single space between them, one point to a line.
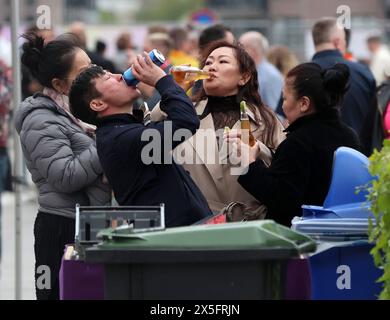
242 106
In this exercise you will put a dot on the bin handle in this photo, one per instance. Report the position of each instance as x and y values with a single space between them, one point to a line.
306 246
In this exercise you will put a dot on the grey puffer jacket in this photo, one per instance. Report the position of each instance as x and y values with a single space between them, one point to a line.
60 156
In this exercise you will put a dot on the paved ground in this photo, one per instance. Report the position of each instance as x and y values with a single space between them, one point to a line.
7 267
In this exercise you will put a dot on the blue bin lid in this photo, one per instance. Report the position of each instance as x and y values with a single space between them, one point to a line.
360 210
332 229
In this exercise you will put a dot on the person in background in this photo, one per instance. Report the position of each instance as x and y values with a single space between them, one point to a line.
270 78
282 58
78 29
59 150
348 55
159 41
193 39
233 79
104 99
5 102
383 95
180 52
100 50
216 32
300 171
386 120
157 38
380 58
359 108
5 47
125 52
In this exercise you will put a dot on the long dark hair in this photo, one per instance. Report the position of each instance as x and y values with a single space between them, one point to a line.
51 60
248 92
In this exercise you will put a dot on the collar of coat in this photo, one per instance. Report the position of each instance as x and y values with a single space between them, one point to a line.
327 53
207 127
41 101
202 113
125 118
328 115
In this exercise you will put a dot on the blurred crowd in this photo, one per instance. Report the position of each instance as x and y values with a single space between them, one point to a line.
183 46
298 112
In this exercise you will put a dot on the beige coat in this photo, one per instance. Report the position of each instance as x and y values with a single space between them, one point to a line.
207 166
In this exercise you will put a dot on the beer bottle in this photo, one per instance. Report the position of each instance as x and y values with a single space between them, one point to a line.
246 135
183 74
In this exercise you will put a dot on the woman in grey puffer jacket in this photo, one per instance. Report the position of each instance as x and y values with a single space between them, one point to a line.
59 150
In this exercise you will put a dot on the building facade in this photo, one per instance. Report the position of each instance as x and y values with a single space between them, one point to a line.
289 22
28 10
62 11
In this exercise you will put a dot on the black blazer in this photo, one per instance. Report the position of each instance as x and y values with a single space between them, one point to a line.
120 147
301 168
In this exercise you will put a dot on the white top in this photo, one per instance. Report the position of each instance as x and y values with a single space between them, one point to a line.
380 64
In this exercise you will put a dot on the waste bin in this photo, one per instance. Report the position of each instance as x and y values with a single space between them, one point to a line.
342 267
245 260
344 271
80 280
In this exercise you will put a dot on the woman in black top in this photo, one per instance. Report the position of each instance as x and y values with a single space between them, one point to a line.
300 171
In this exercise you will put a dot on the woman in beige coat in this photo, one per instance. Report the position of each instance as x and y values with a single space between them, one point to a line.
233 78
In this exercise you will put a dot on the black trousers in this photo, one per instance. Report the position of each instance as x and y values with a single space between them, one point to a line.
51 233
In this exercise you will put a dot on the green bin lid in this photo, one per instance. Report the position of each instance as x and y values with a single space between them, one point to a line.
229 236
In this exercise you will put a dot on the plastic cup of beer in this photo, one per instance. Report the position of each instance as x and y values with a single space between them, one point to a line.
186 74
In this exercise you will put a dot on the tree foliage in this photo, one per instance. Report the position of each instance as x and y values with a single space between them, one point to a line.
379 195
